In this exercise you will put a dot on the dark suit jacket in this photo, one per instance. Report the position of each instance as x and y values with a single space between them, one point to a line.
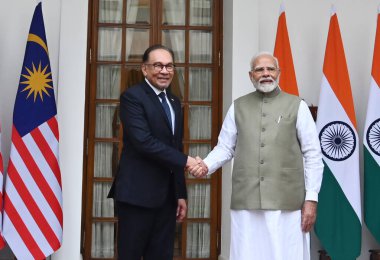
152 164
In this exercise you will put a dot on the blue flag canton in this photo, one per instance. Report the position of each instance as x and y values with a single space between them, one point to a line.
35 100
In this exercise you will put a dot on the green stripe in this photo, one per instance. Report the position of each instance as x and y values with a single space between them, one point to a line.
371 194
337 227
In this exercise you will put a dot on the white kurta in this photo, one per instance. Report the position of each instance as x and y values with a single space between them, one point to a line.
271 234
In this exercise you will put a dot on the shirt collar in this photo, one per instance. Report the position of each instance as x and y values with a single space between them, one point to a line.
157 91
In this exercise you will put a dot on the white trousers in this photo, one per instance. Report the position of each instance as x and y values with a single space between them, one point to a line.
268 235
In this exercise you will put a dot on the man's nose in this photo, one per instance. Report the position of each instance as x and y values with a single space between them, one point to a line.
164 70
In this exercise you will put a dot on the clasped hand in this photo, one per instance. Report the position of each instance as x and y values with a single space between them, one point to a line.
196 167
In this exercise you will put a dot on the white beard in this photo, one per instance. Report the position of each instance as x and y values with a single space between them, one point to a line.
265 88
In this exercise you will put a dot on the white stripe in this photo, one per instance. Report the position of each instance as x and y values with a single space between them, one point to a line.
373 113
26 217
36 193
50 138
346 172
44 167
1 182
15 241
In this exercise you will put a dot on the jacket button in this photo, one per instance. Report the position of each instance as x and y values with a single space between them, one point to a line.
262 179
261 161
262 144
263 129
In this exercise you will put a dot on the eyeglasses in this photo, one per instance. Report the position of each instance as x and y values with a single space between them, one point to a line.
261 70
158 67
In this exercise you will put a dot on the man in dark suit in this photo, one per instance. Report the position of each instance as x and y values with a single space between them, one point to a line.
150 188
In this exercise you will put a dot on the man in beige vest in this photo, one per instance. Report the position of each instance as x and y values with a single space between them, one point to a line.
277 170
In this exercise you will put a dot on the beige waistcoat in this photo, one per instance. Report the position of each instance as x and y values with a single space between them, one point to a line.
268 166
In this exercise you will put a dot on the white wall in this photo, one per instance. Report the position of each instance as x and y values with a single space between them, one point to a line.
250 26
66 32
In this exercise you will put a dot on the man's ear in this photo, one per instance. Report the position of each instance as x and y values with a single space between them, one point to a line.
143 69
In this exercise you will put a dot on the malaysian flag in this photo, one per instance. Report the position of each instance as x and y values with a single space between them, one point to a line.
33 192
2 244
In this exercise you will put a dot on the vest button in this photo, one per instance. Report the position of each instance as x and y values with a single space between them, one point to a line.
264 115
262 144
263 129
262 179
261 161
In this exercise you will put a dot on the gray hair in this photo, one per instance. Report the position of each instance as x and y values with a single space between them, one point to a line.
263 53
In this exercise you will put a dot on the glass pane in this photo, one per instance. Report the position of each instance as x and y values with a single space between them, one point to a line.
175 39
198 240
137 41
200 84
200 122
108 82
173 12
138 11
110 11
107 121
201 12
103 240
200 150
200 46
178 83
106 159
102 206
178 240
109 44
198 197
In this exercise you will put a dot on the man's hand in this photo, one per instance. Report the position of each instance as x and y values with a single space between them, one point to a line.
309 215
191 162
181 210
200 169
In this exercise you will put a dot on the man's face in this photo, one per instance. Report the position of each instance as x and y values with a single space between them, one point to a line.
159 78
264 73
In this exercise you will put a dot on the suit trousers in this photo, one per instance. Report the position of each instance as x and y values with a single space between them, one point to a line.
146 232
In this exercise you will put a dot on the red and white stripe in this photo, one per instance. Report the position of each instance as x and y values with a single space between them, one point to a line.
2 243
33 217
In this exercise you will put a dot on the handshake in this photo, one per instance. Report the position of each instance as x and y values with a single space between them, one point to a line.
196 167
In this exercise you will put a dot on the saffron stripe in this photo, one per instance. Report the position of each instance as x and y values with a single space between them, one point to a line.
335 69
283 52
376 55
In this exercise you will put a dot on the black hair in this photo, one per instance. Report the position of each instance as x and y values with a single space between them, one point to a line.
145 57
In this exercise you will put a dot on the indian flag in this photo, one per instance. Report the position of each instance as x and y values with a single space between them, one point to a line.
338 224
283 53
371 143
